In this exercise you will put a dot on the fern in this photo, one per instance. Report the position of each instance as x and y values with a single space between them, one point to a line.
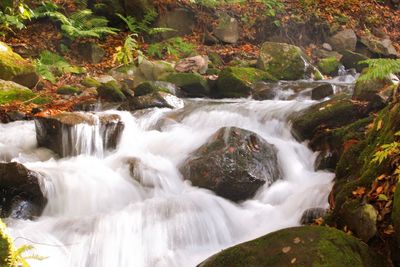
14 18
129 51
81 24
175 47
380 68
50 66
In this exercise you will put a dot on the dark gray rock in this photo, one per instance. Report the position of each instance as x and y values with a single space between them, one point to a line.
234 163
343 40
309 216
322 91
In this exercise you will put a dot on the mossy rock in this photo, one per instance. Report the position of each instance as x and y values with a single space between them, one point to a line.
11 91
329 65
396 213
14 68
68 90
193 84
236 82
90 82
111 91
283 61
154 87
298 246
334 113
351 60
6 246
375 91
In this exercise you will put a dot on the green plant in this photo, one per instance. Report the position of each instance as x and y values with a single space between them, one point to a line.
50 66
81 24
9 255
12 18
175 47
380 68
130 51
143 26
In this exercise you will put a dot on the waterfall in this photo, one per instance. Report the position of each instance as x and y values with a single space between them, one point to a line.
99 215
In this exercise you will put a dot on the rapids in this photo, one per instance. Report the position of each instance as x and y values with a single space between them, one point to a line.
99 216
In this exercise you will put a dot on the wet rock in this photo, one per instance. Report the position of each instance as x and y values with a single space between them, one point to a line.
91 52
236 82
283 61
380 46
193 64
360 218
14 68
20 194
111 91
309 216
68 90
329 65
59 132
11 91
234 163
343 40
227 29
334 113
298 246
264 91
192 84
153 100
153 87
322 91
376 92
351 60
179 19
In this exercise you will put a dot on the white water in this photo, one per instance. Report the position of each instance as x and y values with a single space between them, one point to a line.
98 215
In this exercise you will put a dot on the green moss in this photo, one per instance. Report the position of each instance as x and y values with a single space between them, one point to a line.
149 88
329 65
68 90
90 82
298 246
6 246
192 83
12 64
236 81
11 95
111 91
283 61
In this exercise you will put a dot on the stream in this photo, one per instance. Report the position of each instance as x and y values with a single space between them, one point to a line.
98 215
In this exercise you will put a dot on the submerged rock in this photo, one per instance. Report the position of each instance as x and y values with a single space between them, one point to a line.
283 61
236 82
20 194
60 133
14 68
298 246
234 163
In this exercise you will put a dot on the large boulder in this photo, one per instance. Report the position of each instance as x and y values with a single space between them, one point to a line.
20 196
14 68
343 40
298 246
153 100
237 81
11 91
227 29
380 46
283 61
192 84
334 113
179 19
111 91
63 132
234 163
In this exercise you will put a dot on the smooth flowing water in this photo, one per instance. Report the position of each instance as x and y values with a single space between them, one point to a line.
98 215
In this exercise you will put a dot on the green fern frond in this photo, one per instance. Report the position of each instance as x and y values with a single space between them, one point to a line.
380 68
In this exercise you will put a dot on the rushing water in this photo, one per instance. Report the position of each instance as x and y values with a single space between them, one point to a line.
98 215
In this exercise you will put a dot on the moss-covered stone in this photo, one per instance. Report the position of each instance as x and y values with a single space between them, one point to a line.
68 90
298 246
351 60
193 84
334 113
14 68
153 87
283 61
90 82
236 81
111 91
10 91
329 65
376 92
